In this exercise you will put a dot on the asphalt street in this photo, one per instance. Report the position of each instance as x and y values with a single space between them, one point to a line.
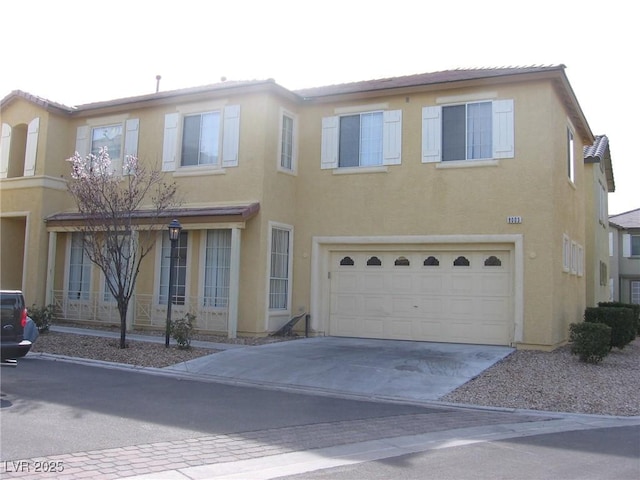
53 407
109 421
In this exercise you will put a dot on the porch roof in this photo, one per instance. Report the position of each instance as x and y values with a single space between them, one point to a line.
187 216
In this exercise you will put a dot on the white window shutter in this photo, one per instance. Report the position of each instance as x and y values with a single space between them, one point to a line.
130 140
170 142
82 140
329 147
31 148
231 136
5 145
392 138
431 134
626 245
503 142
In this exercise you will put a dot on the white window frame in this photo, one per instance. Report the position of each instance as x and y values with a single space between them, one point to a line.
217 302
290 138
502 132
228 139
602 205
634 297
128 145
574 258
566 254
159 282
288 228
86 267
571 168
391 140
218 140
580 268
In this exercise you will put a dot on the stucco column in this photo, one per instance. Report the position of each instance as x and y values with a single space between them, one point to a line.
51 268
234 284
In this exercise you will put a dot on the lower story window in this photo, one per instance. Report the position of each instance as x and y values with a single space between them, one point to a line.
279 270
180 273
635 292
79 269
217 268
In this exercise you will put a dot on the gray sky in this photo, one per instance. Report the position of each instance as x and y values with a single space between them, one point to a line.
76 52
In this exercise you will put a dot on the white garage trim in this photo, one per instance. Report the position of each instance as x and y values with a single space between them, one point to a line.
322 247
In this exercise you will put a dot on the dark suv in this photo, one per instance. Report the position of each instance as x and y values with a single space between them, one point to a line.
14 318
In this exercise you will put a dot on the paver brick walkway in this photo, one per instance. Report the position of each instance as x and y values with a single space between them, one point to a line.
156 457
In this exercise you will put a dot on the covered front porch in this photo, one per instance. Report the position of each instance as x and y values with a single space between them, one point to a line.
207 273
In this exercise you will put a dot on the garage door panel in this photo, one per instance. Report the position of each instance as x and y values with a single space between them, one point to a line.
347 304
347 282
461 307
375 305
423 296
493 312
405 306
431 283
401 283
495 284
373 282
399 329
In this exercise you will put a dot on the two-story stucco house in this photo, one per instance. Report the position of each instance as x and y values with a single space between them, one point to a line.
624 249
458 206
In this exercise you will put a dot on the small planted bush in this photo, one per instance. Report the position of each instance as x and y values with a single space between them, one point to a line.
41 316
590 341
182 330
633 306
623 325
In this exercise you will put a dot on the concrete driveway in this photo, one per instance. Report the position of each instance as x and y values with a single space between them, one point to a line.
389 369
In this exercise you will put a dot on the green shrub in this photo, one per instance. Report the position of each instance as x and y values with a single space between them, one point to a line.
621 321
41 316
182 330
590 341
633 306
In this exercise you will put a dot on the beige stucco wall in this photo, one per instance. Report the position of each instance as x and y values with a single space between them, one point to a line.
401 200
426 199
34 198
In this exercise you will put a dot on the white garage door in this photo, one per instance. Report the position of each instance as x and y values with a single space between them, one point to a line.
461 296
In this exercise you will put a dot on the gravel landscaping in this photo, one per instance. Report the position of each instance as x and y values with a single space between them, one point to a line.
548 381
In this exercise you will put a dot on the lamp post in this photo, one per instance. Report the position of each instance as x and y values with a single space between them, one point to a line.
174 235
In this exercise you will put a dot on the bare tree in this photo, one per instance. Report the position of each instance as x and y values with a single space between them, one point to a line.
122 214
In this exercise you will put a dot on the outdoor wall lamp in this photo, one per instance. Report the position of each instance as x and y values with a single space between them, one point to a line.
174 235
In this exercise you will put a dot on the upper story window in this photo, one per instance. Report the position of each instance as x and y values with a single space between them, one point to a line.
570 155
118 135
630 245
366 139
469 131
603 209
18 149
360 141
201 139
466 131
288 142
109 137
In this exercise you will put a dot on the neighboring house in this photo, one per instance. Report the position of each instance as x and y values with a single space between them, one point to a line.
624 249
457 206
